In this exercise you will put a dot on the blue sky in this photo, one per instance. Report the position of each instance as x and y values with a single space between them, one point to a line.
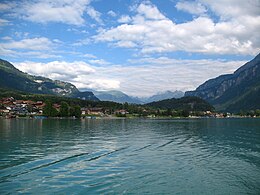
138 47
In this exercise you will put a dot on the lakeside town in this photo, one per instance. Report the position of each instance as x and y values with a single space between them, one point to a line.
12 108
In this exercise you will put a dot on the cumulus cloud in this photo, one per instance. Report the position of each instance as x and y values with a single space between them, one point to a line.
63 11
149 11
233 8
151 32
81 74
144 77
56 69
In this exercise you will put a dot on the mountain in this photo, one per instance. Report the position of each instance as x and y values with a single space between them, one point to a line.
164 95
13 79
120 97
184 103
233 92
115 96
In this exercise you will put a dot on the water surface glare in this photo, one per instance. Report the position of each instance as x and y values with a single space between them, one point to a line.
130 156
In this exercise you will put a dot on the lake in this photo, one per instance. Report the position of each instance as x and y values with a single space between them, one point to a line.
130 156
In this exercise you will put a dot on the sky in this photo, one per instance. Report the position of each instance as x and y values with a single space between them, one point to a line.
140 47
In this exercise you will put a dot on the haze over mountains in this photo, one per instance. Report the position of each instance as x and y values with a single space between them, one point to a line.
120 97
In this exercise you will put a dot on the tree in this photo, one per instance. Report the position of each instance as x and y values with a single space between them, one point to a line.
185 113
64 109
71 111
77 111
48 110
169 112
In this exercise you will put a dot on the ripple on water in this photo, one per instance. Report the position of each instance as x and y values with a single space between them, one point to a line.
131 157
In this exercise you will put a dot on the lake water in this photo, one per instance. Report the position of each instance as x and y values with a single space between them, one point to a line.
131 156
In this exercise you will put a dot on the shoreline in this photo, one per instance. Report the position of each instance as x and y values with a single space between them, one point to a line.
115 117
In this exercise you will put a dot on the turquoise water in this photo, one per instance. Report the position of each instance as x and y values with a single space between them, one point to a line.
131 156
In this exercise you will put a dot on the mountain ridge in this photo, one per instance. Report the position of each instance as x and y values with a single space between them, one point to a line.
116 96
121 97
232 92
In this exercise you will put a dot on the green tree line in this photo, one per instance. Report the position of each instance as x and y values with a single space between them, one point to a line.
65 110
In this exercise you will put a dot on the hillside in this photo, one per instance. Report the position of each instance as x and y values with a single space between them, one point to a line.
233 92
13 79
184 103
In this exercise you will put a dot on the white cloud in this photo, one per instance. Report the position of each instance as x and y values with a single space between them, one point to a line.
6 52
151 32
41 43
89 55
37 54
144 77
99 62
98 84
82 42
81 74
94 14
3 22
6 6
124 19
6 38
56 69
112 13
149 11
40 47
232 9
42 11
192 7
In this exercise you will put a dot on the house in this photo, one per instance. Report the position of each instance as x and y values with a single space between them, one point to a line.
4 111
92 111
122 111
56 106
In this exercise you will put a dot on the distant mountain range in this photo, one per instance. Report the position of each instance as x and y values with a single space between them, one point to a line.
233 92
164 95
13 79
120 97
116 96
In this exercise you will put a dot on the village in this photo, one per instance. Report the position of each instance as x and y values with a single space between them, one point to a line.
12 108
